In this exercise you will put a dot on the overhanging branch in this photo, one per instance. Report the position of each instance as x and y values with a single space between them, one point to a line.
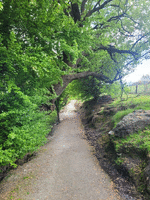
116 17
69 78
111 49
131 61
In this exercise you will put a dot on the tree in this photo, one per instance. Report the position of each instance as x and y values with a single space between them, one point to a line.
59 41
46 44
106 39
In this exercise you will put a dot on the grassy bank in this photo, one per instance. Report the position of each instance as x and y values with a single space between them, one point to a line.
129 155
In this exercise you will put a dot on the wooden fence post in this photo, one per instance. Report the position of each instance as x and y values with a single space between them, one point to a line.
136 89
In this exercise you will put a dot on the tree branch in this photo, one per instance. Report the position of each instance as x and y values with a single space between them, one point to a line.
95 9
139 40
69 78
126 30
83 6
137 58
75 12
112 50
113 5
98 3
132 19
111 19
116 17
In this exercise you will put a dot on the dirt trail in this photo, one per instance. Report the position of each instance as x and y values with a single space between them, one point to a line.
64 168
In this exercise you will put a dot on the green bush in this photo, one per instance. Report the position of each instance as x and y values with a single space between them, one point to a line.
23 126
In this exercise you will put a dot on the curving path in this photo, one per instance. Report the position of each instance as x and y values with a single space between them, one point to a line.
64 169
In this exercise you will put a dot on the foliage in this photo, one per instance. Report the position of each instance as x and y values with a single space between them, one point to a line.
63 99
84 89
91 87
42 42
114 90
26 71
23 126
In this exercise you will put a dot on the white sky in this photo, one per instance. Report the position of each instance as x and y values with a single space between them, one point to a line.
140 70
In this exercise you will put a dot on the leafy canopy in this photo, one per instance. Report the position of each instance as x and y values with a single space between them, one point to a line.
46 44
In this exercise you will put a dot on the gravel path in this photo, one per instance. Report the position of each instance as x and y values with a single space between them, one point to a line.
64 168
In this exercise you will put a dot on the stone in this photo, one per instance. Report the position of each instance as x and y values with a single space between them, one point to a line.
131 123
111 132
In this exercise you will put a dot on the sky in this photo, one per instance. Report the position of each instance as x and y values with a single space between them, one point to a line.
140 70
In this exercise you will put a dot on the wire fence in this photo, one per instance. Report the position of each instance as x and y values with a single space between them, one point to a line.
140 89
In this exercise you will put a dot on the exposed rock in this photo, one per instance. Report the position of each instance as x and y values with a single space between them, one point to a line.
111 133
131 123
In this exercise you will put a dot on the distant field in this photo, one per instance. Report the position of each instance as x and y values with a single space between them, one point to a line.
142 89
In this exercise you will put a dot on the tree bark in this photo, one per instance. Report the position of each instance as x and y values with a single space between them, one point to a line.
69 78
57 109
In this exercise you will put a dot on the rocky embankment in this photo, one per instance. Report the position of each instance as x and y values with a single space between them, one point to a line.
129 166
136 158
